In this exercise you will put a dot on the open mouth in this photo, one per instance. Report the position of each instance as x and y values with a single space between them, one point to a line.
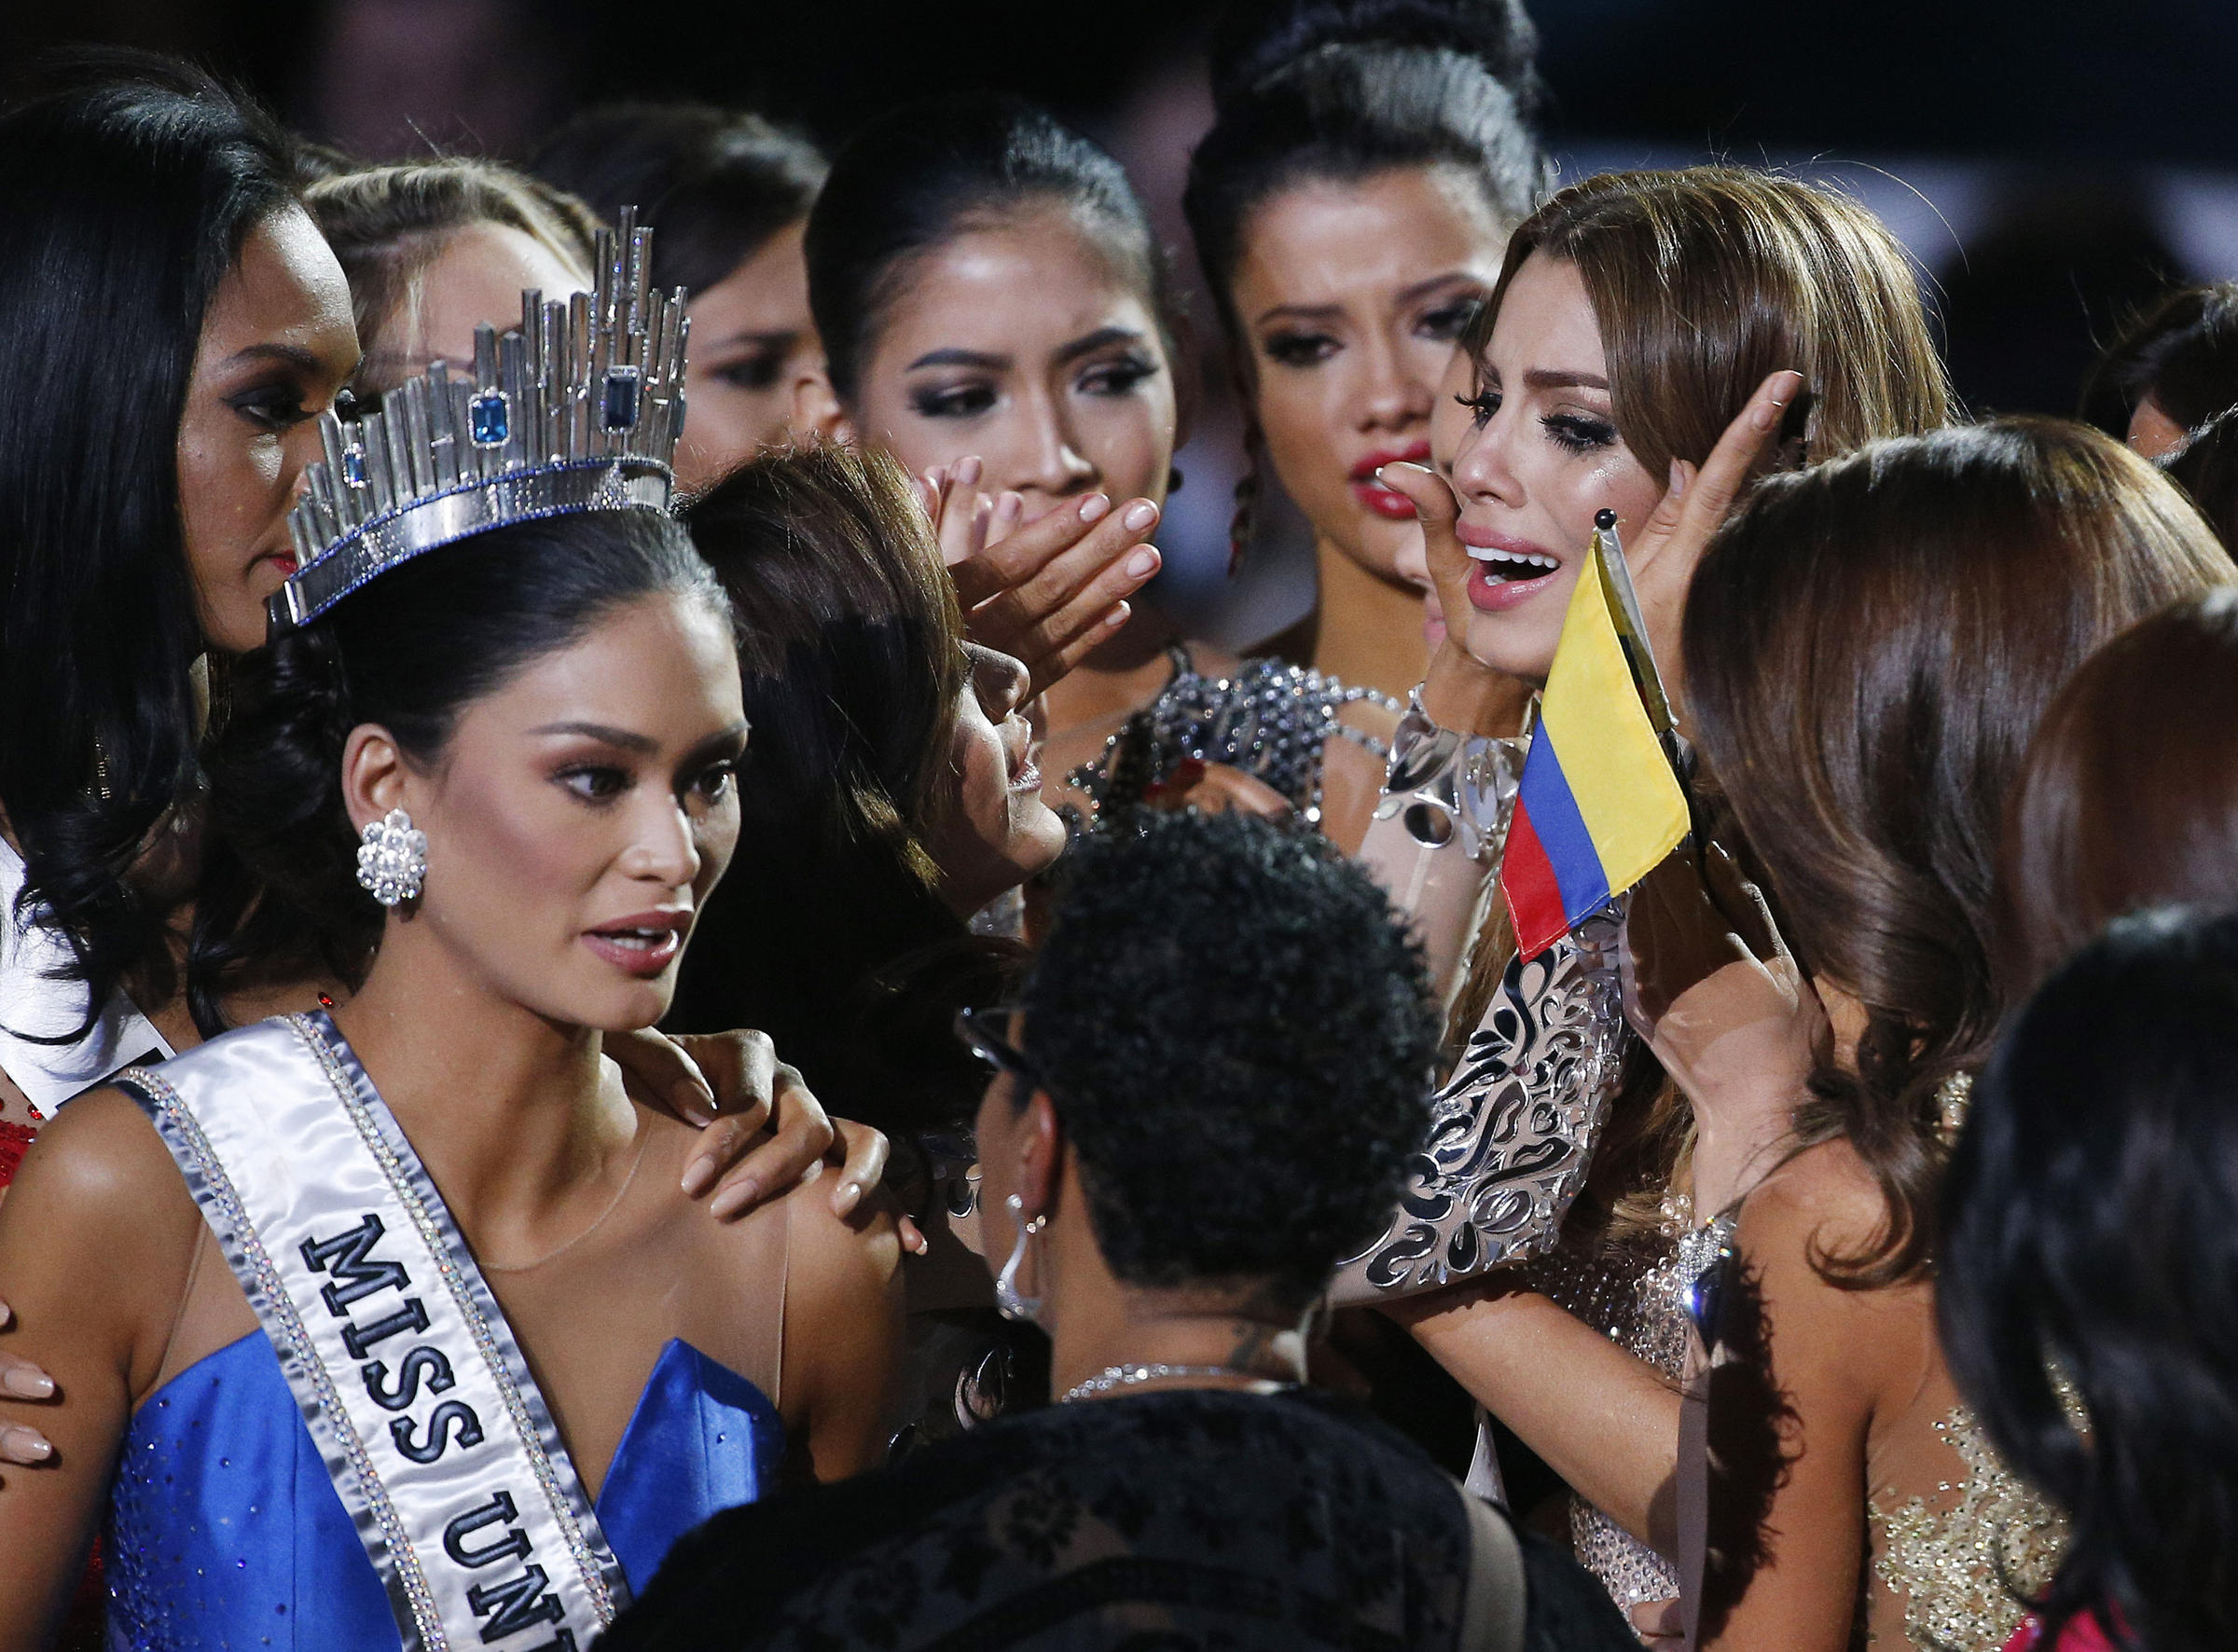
1503 572
642 948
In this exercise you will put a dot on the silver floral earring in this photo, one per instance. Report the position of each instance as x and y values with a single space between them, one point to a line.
392 862
1007 1298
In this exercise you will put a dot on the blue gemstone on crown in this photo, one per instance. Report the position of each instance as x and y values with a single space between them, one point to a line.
490 419
353 467
621 398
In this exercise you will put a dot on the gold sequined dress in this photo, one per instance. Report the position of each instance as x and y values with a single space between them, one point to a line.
1947 1550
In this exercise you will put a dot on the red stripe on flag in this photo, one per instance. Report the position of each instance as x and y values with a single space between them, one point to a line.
1527 878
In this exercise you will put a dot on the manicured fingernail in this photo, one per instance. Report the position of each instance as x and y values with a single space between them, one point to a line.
847 1198
967 470
692 1104
919 1244
740 1195
23 1443
1143 564
26 1385
1094 508
698 1176
1139 515
1010 508
1678 480
1117 617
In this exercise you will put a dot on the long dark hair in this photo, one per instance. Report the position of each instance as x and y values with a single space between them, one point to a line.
2181 355
717 184
2088 1246
838 944
1342 90
913 178
1869 646
129 186
409 651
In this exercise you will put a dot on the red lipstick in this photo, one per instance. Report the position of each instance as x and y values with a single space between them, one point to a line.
1373 495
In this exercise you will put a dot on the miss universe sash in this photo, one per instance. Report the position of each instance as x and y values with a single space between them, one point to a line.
440 1446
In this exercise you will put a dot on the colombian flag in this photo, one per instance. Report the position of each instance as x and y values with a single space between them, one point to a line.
1599 805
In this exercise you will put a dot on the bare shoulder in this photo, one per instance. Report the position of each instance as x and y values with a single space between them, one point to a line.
97 1234
1824 1205
1824 1196
833 1260
98 1162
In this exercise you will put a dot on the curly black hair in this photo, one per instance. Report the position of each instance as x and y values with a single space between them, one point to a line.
1237 1034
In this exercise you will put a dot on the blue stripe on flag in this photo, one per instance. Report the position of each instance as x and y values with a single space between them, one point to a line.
1561 830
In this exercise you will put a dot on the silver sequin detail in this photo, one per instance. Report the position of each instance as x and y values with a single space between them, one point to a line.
1271 720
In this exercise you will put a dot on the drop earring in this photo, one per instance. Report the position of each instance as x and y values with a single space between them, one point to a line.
1244 521
392 862
1007 1297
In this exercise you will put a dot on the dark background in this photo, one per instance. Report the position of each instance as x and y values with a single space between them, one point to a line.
2052 166
2080 153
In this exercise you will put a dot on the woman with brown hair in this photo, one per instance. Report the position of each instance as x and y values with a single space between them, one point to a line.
2106 1104
2129 798
1869 648
890 792
1637 317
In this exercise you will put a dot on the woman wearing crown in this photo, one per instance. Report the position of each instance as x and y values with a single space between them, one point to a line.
389 1324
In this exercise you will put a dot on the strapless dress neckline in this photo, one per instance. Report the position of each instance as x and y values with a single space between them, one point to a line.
224 1529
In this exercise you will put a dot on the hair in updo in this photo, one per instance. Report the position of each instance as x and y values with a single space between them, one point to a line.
410 651
921 175
717 184
1340 92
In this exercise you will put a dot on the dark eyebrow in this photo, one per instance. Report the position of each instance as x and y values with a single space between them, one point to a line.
626 739
1406 295
1300 311
294 356
730 739
773 336
959 358
1547 378
1089 343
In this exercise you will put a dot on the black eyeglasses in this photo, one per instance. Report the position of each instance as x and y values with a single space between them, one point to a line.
977 1030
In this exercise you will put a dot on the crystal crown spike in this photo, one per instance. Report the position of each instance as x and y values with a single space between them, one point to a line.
576 409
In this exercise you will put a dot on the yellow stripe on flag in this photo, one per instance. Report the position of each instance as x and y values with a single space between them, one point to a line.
1625 791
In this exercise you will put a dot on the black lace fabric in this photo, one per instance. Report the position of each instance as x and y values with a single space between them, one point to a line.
1151 1522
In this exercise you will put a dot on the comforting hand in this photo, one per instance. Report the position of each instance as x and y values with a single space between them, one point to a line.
19 1379
1050 591
1663 554
1459 691
1710 985
765 1131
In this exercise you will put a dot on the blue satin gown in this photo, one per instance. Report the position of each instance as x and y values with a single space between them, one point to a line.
224 1531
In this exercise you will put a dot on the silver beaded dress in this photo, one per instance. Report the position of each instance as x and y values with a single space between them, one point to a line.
1271 720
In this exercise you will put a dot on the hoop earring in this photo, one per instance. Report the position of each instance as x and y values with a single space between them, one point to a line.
1007 1298
392 862
1244 520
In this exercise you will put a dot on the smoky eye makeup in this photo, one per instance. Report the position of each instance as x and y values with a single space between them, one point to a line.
1295 348
951 401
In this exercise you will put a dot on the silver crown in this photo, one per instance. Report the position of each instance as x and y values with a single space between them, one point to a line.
576 409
